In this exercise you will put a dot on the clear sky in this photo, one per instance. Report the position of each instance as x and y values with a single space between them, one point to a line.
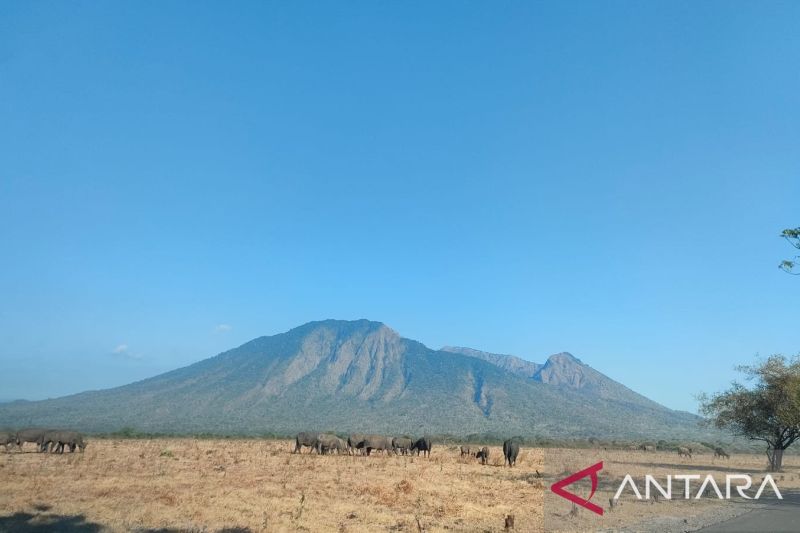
603 178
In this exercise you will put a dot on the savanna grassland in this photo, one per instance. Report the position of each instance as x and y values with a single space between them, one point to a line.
258 485
198 485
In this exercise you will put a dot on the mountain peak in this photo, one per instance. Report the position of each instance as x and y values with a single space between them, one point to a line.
564 358
345 326
346 329
566 369
350 356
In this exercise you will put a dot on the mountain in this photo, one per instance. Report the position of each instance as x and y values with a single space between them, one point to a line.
562 370
363 376
511 363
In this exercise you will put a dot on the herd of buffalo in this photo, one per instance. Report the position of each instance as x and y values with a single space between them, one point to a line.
48 440
56 440
357 443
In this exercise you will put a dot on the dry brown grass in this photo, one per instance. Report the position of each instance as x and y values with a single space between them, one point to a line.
258 484
207 485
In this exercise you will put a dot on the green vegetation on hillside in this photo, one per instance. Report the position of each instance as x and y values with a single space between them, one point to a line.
360 376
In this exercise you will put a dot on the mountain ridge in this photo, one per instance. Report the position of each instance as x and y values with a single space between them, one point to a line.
362 376
561 369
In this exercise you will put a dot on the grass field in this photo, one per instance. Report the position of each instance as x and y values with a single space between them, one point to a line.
258 485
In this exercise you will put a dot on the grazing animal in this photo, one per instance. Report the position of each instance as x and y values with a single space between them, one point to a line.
31 435
647 448
483 455
355 442
402 445
466 450
684 452
511 451
49 441
60 439
374 443
73 439
326 443
722 454
7 438
423 445
342 447
305 438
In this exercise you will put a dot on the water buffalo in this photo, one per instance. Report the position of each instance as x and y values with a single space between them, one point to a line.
423 445
60 439
355 442
31 435
304 438
466 450
377 443
48 442
722 454
511 451
684 452
7 438
402 444
483 455
73 439
342 446
326 443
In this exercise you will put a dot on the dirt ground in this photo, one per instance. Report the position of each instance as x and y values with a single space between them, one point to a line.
258 485
677 514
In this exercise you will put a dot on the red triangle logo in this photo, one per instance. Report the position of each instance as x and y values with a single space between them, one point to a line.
592 471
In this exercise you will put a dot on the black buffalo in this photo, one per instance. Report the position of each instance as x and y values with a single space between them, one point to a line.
483 455
511 451
423 445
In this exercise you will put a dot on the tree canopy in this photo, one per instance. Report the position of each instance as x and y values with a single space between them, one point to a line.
793 237
768 410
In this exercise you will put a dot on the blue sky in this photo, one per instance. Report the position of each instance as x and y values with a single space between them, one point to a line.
604 178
